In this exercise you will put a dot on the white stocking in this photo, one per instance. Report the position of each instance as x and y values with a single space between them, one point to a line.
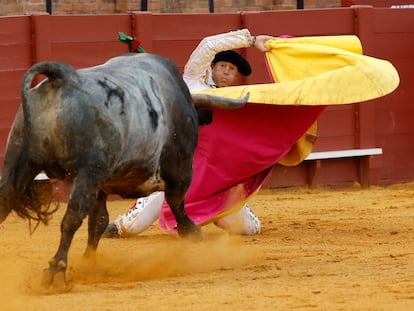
141 215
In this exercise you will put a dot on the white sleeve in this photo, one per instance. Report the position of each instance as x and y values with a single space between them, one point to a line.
201 58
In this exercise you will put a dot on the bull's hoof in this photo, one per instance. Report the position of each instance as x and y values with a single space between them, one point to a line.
192 232
47 278
54 278
55 283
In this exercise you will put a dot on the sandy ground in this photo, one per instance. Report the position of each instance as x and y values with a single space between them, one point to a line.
349 249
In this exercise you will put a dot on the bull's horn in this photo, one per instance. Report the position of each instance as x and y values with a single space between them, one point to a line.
212 101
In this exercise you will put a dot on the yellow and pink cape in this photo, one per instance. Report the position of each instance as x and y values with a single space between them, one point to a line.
237 151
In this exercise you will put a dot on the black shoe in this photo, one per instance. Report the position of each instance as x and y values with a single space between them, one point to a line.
111 232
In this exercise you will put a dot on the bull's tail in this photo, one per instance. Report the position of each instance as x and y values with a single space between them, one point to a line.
54 71
212 101
30 199
19 191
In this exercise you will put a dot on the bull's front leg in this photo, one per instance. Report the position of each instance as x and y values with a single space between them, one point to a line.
185 226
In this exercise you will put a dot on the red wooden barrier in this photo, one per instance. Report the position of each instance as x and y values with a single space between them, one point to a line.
86 40
15 58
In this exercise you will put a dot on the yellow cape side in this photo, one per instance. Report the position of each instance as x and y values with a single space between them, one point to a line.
308 72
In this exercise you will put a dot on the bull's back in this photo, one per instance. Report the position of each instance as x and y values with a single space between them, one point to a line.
146 96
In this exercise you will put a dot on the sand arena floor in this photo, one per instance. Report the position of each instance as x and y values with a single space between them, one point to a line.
350 249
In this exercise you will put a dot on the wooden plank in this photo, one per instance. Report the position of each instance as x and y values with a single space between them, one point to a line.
302 22
89 28
86 54
15 43
394 20
193 27
335 154
10 83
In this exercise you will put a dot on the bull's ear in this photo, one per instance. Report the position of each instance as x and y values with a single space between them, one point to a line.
205 116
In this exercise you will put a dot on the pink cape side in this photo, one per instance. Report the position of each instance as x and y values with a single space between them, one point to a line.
235 154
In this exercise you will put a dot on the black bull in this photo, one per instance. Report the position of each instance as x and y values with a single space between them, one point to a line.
127 127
